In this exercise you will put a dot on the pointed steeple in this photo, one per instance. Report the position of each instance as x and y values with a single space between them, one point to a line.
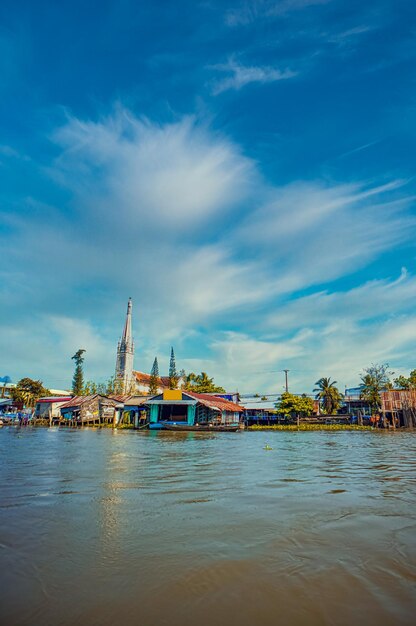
125 352
127 338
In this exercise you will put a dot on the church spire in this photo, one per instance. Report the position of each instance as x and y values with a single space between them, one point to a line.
125 353
127 338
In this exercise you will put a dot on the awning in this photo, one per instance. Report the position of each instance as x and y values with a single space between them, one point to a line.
173 402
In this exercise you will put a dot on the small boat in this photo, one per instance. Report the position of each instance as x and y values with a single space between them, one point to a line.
216 428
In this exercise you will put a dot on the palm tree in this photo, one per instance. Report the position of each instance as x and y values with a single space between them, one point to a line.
328 394
202 383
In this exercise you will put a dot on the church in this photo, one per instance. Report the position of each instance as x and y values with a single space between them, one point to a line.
130 380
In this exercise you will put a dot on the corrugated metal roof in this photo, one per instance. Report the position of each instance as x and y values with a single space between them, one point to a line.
137 400
78 400
120 397
397 399
213 402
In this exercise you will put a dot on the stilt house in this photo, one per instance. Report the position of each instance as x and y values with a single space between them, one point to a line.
89 410
175 406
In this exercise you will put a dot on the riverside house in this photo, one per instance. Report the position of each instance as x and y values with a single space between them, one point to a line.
175 406
49 408
89 411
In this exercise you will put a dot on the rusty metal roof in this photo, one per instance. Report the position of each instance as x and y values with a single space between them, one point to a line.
213 402
398 399
78 400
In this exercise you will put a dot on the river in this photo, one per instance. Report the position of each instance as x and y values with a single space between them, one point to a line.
102 527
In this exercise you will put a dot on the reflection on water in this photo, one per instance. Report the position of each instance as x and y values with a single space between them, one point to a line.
182 528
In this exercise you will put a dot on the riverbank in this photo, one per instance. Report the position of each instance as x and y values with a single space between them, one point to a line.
310 427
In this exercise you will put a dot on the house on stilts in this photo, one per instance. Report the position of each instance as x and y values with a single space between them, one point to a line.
175 407
94 410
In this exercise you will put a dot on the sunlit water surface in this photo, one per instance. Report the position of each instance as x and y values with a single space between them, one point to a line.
107 528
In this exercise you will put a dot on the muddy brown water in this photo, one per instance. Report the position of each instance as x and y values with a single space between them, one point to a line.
107 528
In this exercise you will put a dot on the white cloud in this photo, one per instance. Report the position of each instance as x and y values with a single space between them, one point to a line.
240 75
339 349
315 233
371 300
42 347
167 176
177 217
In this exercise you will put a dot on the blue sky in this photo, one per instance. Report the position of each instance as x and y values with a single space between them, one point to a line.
243 170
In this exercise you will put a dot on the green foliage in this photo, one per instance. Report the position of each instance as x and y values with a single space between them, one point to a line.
28 391
112 386
401 382
375 379
173 374
154 378
328 394
202 383
78 379
89 389
290 405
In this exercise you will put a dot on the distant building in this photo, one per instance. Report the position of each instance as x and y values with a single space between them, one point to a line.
6 389
91 410
49 408
142 381
125 354
353 404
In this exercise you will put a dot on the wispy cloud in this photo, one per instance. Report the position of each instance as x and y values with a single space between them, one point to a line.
251 10
345 36
239 76
326 334
176 216
375 299
370 144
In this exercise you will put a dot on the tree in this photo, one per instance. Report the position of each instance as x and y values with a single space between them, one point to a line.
290 405
173 374
78 380
28 391
154 378
328 395
375 379
202 383
401 382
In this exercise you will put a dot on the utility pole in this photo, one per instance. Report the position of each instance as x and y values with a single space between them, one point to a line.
286 381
